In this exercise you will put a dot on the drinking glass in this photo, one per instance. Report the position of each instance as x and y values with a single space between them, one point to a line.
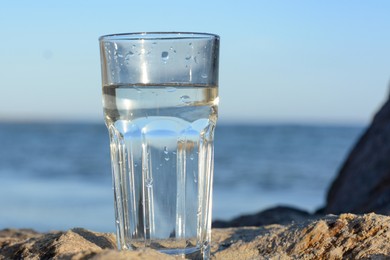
160 100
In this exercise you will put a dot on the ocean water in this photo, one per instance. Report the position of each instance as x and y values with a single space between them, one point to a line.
55 176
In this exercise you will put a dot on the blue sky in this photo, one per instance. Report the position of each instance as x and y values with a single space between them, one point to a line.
281 61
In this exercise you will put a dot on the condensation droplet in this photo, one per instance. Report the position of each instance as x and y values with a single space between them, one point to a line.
165 56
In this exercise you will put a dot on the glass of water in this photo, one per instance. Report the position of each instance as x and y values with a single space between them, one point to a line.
160 100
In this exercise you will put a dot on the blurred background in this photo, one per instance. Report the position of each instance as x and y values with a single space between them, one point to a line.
299 82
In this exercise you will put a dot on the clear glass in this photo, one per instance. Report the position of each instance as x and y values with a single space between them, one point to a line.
160 100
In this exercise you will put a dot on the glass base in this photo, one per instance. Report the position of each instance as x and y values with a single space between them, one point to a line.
187 253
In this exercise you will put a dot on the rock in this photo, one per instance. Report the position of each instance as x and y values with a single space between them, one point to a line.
363 182
74 244
277 215
346 236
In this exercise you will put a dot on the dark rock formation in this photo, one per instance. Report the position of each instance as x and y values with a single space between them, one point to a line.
277 215
363 183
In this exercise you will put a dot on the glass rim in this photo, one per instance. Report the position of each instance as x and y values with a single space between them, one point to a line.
157 36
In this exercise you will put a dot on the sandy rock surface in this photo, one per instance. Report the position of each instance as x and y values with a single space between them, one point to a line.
346 236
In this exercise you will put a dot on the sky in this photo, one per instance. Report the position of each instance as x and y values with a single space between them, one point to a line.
280 61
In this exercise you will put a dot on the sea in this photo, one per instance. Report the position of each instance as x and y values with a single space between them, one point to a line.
56 176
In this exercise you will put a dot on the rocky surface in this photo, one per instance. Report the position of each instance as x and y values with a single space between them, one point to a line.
333 237
363 183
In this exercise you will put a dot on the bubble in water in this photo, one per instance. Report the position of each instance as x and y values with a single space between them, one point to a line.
185 99
129 55
166 157
149 182
164 56
170 89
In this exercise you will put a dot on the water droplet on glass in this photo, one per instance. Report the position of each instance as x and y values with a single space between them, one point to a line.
185 99
196 59
166 158
188 57
165 56
165 150
204 75
190 43
138 90
170 89
192 157
117 221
